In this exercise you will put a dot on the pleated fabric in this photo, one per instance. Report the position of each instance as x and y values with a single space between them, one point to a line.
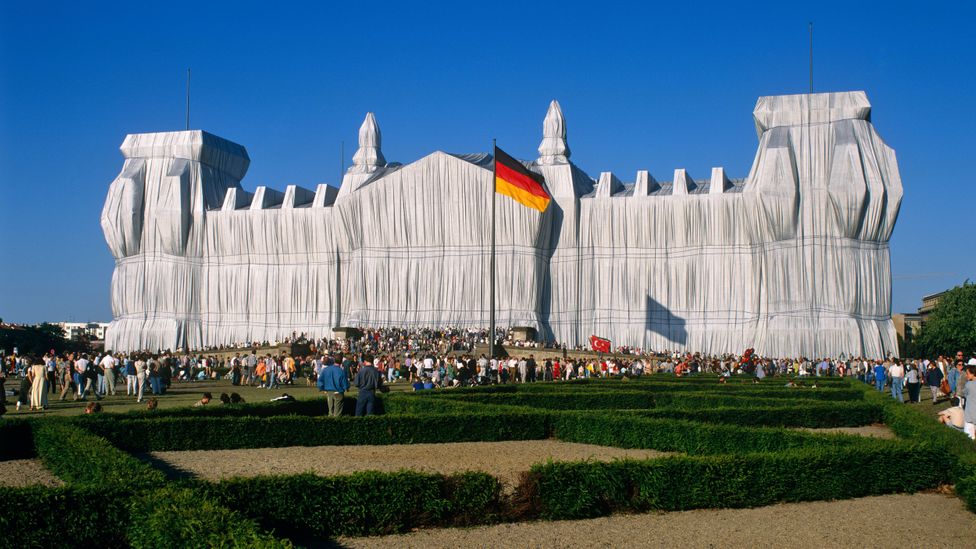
792 260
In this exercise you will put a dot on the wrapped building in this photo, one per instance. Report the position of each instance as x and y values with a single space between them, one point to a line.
792 260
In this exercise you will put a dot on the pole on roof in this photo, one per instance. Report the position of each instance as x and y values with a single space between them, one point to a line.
811 57
188 98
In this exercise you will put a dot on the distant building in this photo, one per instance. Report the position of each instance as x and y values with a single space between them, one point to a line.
908 325
75 330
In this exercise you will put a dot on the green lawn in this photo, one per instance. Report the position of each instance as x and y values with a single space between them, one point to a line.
179 395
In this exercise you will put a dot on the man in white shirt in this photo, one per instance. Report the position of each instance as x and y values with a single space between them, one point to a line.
108 366
81 379
897 373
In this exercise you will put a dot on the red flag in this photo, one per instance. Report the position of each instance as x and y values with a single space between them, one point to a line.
599 344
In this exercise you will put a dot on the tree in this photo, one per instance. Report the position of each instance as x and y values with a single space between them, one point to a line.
951 326
37 340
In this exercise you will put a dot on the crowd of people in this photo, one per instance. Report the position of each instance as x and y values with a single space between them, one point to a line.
430 359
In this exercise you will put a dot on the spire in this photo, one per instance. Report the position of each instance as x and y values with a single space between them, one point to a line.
369 157
553 149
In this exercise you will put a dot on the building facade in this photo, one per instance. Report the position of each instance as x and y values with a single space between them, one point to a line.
791 260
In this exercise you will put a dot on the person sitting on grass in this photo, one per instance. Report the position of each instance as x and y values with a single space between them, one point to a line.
418 385
428 384
236 399
224 399
205 400
953 416
152 404
93 408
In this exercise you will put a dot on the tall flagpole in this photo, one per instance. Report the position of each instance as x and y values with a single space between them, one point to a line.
491 265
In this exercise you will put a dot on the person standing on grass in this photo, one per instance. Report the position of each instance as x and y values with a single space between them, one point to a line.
879 376
332 380
140 368
897 372
368 381
933 378
129 370
914 383
108 368
969 393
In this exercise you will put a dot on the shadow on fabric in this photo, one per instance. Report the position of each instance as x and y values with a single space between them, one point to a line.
661 321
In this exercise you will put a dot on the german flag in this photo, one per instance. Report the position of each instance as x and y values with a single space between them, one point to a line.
513 180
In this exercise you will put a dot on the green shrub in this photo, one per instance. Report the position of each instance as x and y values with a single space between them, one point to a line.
18 439
966 489
81 458
62 517
631 431
812 414
367 503
588 489
203 433
175 516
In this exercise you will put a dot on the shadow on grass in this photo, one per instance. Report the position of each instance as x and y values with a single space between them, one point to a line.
171 472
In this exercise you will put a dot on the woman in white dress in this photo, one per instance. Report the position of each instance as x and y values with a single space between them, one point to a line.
38 394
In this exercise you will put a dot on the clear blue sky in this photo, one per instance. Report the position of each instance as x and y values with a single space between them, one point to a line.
641 87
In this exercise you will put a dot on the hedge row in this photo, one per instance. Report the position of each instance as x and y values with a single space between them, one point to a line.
672 435
632 399
205 433
811 415
175 516
587 489
82 458
628 430
62 517
367 503
910 423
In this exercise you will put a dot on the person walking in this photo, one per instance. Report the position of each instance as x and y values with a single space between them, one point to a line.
332 380
913 379
933 378
368 381
897 373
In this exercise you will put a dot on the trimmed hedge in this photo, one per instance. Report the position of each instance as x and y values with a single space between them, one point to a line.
181 517
588 489
367 503
81 458
62 517
911 423
813 414
203 433
633 399
18 439
672 435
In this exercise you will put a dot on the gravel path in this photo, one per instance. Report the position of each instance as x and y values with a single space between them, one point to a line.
26 472
877 430
881 521
502 459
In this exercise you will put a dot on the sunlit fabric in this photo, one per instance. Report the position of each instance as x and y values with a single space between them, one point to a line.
791 260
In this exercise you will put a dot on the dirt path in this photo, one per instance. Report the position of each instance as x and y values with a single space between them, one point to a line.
866 522
502 459
26 472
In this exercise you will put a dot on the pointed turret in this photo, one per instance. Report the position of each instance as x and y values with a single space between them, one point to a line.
553 149
369 157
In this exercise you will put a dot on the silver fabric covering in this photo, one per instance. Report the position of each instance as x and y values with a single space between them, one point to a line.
792 260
